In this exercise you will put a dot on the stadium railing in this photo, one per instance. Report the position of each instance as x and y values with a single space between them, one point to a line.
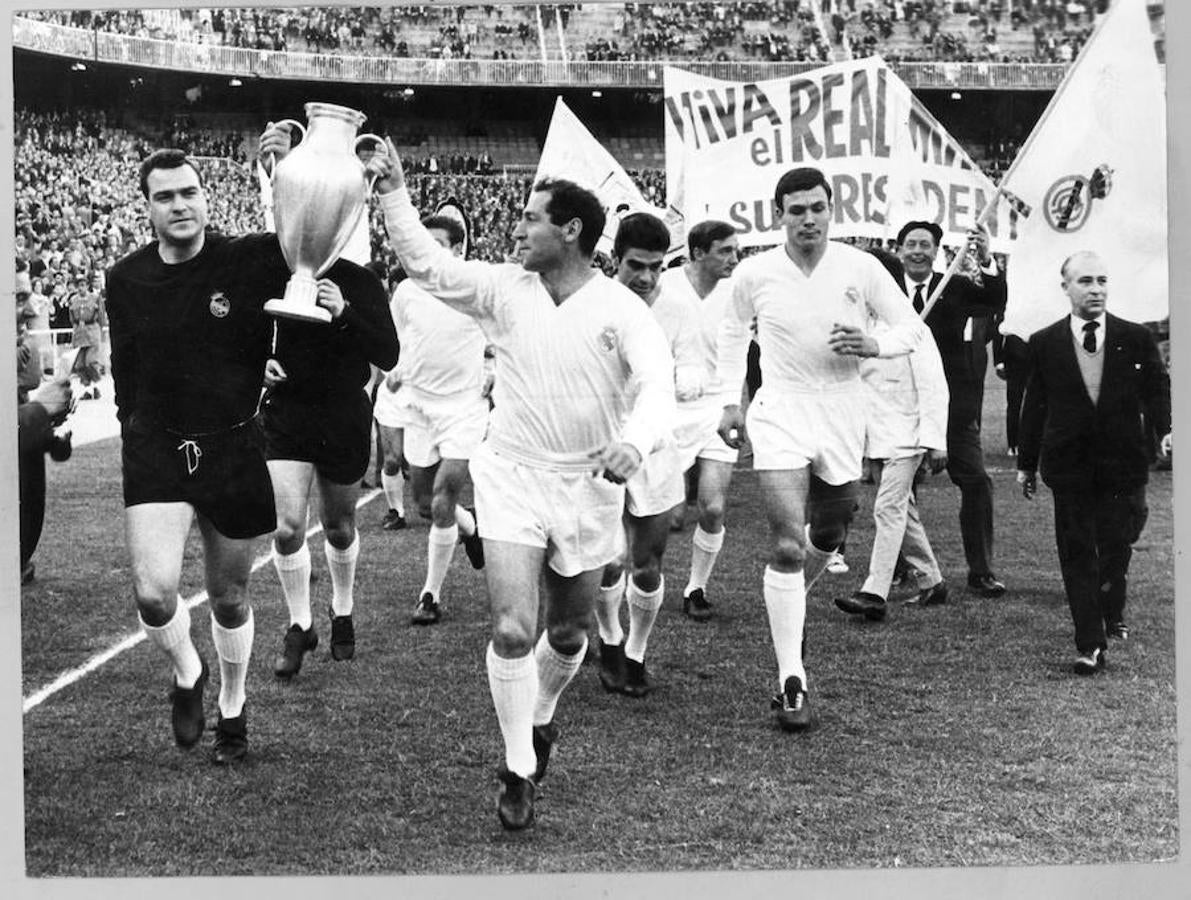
107 47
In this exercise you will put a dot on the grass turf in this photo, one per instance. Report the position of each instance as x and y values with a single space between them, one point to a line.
949 736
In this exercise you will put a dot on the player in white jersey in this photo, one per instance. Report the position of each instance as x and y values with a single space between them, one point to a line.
436 397
705 280
813 300
638 251
562 439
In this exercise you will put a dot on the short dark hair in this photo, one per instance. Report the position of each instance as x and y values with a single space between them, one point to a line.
935 231
704 234
641 231
804 178
452 226
569 201
167 158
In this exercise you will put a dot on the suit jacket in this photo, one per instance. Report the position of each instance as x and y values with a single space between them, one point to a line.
965 362
1075 444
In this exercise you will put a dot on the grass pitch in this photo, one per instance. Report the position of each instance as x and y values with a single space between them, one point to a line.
950 736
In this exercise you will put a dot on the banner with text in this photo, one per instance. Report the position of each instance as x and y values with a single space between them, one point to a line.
888 159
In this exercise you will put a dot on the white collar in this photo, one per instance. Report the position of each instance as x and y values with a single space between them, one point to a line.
1077 325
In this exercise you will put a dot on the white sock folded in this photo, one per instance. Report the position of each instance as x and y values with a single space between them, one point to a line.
174 638
234 647
705 548
643 611
439 550
785 601
342 564
293 571
514 686
555 671
607 612
394 487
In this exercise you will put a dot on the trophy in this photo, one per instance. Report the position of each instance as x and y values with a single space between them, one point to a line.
320 193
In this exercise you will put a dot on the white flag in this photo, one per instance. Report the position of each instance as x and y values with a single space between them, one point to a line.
572 152
1093 174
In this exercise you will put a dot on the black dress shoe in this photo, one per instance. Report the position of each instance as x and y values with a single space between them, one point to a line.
862 603
986 585
935 595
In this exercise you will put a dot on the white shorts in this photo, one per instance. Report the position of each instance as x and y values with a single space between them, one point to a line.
392 409
657 485
696 433
825 431
438 427
574 516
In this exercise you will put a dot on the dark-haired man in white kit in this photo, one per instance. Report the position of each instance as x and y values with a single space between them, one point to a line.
706 281
561 441
638 251
813 300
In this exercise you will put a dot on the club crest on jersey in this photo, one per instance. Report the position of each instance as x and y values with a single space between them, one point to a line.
608 338
220 306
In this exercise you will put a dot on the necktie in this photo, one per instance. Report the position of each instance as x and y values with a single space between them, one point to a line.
919 303
1089 336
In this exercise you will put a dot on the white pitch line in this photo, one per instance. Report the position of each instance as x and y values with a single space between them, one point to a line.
71 676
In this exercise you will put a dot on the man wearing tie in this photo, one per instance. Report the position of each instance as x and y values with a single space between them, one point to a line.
1096 396
962 322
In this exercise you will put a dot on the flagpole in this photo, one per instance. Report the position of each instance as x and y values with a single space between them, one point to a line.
988 207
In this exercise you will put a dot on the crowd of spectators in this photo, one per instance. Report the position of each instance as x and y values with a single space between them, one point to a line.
776 30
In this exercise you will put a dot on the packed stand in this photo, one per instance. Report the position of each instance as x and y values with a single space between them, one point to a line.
1047 31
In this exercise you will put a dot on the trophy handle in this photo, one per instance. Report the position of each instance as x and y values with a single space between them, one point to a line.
301 129
381 145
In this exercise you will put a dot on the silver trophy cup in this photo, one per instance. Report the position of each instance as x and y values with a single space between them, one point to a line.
320 193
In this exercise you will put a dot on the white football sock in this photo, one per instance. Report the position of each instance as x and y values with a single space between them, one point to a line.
465 520
440 548
785 601
394 486
555 671
643 611
234 646
514 687
704 550
607 612
174 638
342 564
293 570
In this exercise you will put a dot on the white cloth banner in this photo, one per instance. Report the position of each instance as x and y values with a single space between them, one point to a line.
888 159
1093 174
572 152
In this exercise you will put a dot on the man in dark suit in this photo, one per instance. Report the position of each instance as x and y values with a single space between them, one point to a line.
1097 394
962 322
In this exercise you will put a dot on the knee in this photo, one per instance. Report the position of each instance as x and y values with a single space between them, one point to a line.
612 573
711 513
568 637
829 535
155 607
789 554
392 464
341 532
289 536
647 574
510 637
442 509
229 604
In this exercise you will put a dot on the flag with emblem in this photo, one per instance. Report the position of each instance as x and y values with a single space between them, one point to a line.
1092 176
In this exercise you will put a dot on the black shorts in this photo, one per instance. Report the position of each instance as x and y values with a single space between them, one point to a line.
223 476
336 438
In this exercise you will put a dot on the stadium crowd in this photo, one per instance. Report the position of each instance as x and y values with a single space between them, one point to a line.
1049 31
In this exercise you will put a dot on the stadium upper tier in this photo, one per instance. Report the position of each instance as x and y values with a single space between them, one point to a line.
991 44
